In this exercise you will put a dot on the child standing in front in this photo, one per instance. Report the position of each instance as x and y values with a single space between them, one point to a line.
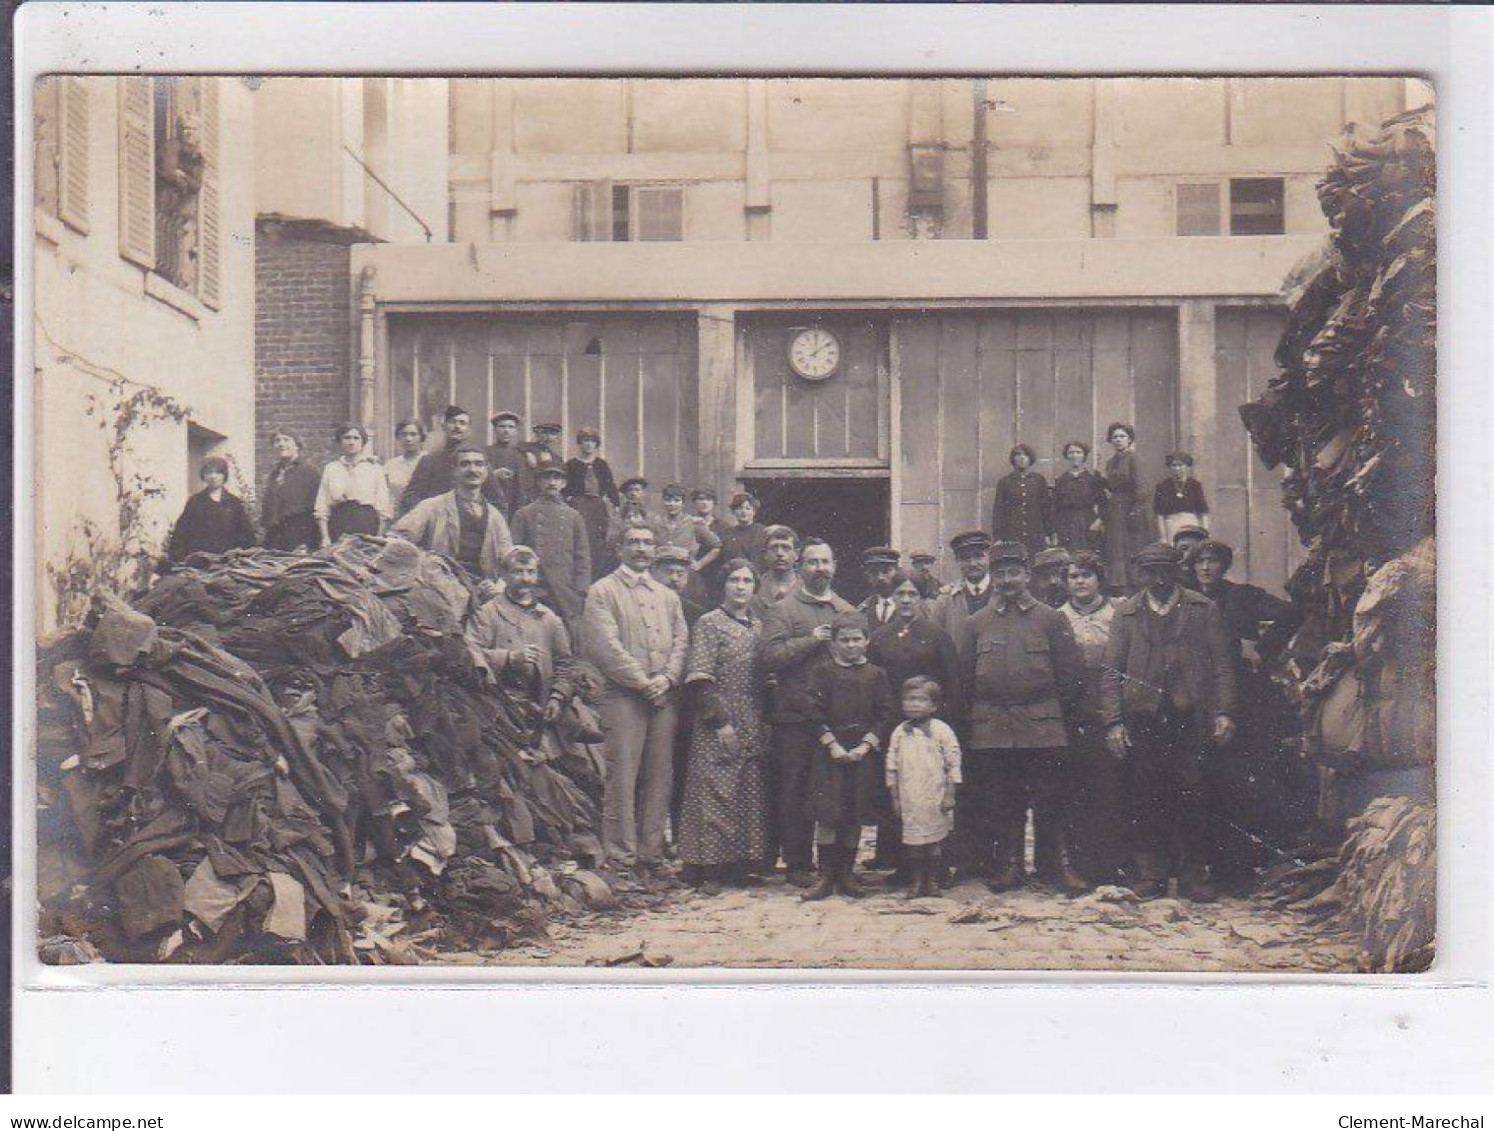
853 710
923 768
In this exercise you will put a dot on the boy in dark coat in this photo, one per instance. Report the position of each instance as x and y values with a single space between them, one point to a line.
854 711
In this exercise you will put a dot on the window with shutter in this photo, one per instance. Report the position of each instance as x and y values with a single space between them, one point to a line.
660 213
1198 212
1257 206
593 211
137 173
209 222
46 142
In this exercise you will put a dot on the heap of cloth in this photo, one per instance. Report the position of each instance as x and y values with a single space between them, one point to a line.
285 757
1352 418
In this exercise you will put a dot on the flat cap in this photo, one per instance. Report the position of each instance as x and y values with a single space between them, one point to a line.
1158 553
500 417
880 555
551 471
922 557
638 479
670 554
549 428
1053 556
1189 532
1009 552
970 540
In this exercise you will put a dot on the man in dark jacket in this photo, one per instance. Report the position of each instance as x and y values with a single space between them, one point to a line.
1167 689
953 610
433 475
505 488
796 636
1024 667
879 567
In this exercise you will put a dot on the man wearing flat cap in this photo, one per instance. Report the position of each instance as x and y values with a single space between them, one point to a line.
1026 673
1050 580
506 465
879 567
557 533
539 452
1167 690
434 474
929 585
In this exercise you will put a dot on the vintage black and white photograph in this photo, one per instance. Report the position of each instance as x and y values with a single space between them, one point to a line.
800 523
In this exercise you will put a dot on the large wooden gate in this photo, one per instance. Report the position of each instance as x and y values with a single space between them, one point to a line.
634 378
971 385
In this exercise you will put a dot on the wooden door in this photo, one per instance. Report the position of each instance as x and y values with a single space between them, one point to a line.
971 385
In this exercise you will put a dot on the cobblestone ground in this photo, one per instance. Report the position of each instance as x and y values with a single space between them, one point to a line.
967 928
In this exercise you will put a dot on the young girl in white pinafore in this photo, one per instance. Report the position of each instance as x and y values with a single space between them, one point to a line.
923 768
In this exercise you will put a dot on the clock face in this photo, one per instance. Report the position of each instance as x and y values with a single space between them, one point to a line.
814 353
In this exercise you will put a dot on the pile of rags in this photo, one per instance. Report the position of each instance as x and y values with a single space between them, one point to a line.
267 743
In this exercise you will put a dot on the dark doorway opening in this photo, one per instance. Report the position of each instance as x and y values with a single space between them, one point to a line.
850 514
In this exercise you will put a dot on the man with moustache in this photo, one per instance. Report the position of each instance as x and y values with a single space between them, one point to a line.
461 524
796 636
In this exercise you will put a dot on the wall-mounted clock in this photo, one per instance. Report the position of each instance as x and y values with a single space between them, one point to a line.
814 353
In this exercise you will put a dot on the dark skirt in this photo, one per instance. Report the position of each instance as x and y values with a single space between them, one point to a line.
293 533
843 793
597 519
352 518
1098 805
1071 525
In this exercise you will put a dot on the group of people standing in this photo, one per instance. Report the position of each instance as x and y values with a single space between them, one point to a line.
1084 509
750 713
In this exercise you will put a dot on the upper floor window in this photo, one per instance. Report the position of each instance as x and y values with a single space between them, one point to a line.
170 182
1256 206
607 211
61 149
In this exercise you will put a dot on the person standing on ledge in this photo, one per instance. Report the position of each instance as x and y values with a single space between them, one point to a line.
433 475
506 465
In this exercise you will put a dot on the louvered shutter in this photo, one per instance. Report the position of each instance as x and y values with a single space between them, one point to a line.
72 145
209 223
137 172
593 211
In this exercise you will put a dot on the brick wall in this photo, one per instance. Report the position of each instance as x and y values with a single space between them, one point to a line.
303 334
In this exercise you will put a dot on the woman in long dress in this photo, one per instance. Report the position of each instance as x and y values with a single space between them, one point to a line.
726 820
591 490
290 497
1128 526
1078 495
214 520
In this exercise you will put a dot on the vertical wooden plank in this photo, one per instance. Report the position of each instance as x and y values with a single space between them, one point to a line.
1036 395
1154 370
918 363
863 394
768 345
620 403
584 343
1111 364
401 370
997 409
433 368
661 382
546 371
470 356
799 403
687 404
1271 534
960 431
1074 388
1230 502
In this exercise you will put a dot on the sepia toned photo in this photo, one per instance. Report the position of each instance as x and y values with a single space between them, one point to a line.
939 524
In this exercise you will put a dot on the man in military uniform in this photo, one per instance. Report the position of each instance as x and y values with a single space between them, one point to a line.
1025 667
1167 689
879 567
539 453
1050 576
557 533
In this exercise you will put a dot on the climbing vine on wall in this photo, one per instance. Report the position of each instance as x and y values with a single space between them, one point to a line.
122 556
